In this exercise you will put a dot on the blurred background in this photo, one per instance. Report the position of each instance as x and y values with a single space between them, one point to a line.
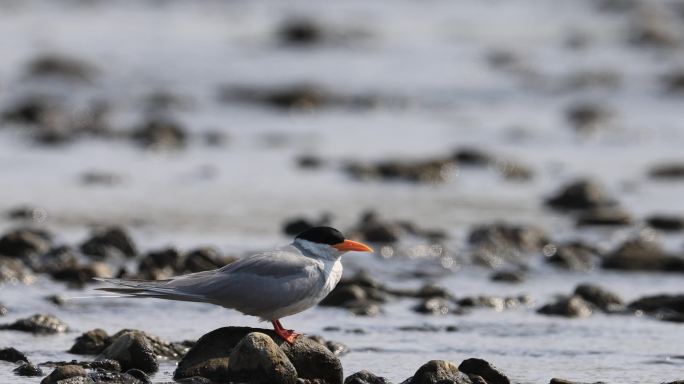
489 148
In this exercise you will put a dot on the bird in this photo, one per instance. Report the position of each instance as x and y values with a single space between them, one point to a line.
270 285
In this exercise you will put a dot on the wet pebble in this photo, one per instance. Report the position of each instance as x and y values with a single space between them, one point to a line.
667 171
501 238
3 309
91 343
580 195
300 32
297 97
483 369
24 242
513 277
61 66
640 254
133 351
600 297
107 242
37 324
64 372
418 171
663 307
337 348
666 222
576 255
309 162
607 217
572 306
438 371
28 369
14 271
12 355
588 117
161 134
563 381
365 377
433 306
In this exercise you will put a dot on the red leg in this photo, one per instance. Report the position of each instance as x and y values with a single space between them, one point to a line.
286 334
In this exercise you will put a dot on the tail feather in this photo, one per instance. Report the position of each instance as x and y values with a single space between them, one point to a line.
147 288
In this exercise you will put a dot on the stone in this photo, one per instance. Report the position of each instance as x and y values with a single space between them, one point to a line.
603 299
133 351
484 369
439 371
28 369
24 242
433 306
573 306
365 377
104 241
257 359
641 254
209 357
91 343
12 355
160 134
64 372
513 277
580 195
38 324
666 223
606 217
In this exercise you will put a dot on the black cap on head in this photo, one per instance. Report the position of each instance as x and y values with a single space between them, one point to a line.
322 235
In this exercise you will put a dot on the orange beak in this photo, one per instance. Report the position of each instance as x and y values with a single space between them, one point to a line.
349 245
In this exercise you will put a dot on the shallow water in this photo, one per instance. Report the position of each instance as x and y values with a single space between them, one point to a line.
431 56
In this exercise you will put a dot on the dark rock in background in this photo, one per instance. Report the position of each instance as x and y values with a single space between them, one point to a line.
37 324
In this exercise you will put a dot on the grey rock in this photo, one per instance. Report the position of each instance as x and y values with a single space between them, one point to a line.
603 299
433 306
210 356
484 369
580 195
106 241
64 372
28 369
563 381
513 277
663 307
24 242
132 350
672 171
666 222
91 343
439 371
640 254
605 217
257 359
365 377
573 306
12 355
38 324
14 271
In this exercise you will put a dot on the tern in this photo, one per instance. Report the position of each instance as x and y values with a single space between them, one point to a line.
270 285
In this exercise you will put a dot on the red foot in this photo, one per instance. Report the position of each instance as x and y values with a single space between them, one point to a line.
286 334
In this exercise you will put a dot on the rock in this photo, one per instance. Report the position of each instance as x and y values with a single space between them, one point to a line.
297 225
494 302
513 277
433 306
297 97
483 369
160 264
37 324
24 242
160 134
471 157
439 371
344 296
3 309
603 299
28 369
106 364
300 32
365 377
14 271
563 381
434 170
12 355
25 212
667 171
91 343
204 259
604 217
59 66
659 305
210 356
641 254
64 372
139 375
81 274
580 195
573 306
101 178
257 359
309 162
133 351
666 223
673 82
654 26
588 117
575 256
502 236
104 241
